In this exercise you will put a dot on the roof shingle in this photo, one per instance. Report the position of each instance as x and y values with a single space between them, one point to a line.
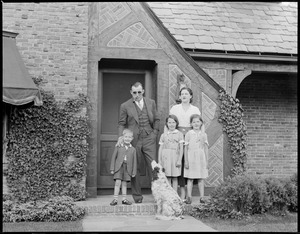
231 26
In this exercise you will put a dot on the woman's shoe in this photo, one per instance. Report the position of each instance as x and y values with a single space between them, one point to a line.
188 200
202 200
114 202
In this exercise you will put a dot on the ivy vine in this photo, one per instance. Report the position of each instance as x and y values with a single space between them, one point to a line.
231 117
40 142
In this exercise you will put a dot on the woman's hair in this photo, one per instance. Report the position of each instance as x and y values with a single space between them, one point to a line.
194 116
189 90
172 117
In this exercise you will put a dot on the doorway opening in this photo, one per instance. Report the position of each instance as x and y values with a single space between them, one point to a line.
115 79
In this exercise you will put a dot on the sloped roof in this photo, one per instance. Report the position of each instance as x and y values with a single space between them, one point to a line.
256 27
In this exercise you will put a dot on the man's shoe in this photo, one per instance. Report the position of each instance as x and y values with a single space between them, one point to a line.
139 200
114 202
126 202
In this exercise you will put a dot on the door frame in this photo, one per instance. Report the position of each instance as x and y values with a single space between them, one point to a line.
148 87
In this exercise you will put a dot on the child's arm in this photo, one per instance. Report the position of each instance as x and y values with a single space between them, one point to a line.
206 154
186 161
186 145
206 150
134 167
113 160
181 142
179 159
159 155
161 142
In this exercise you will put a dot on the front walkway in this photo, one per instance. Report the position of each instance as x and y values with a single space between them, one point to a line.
138 223
136 217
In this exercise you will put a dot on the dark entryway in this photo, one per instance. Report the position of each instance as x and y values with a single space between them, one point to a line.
115 80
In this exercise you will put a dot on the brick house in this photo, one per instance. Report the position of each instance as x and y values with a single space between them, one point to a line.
99 49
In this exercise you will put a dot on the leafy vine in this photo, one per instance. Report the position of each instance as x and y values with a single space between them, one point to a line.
41 142
232 119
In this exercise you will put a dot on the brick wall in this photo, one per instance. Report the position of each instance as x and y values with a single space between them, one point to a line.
219 75
270 104
270 107
52 41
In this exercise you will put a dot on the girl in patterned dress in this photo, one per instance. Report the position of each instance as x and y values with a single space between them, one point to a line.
196 157
171 150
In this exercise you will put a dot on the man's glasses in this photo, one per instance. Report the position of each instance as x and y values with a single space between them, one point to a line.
135 92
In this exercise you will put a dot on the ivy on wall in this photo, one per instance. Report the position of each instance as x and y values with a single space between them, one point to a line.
231 117
42 140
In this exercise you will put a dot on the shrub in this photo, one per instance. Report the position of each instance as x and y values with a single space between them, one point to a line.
53 210
276 194
291 188
76 191
7 196
245 195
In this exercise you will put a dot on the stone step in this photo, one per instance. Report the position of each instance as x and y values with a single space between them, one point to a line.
100 206
134 209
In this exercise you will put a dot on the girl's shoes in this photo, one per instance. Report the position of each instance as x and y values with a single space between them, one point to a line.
189 200
202 200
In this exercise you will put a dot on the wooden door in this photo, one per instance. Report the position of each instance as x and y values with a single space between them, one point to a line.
114 89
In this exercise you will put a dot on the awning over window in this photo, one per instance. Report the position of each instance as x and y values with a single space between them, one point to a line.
18 86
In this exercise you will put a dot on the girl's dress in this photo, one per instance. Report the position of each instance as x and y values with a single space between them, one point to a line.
184 125
196 156
170 142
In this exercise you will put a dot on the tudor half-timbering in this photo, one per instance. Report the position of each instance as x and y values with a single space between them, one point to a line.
127 43
101 48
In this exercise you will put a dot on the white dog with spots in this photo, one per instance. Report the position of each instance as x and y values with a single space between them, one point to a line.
169 204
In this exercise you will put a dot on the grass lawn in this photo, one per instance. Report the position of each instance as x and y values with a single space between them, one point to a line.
70 226
256 223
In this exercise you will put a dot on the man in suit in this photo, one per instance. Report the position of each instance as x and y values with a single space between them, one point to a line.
140 115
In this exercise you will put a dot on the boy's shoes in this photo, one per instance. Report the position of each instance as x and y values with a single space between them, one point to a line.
114 202
126 202
188 200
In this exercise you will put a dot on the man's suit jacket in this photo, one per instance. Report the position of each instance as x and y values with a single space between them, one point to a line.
129 116
117 159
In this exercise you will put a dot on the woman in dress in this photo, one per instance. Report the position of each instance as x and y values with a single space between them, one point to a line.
183 112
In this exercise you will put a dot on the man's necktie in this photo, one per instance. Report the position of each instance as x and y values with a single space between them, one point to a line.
139 105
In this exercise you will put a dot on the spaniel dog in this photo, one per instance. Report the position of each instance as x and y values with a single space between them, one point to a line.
169 204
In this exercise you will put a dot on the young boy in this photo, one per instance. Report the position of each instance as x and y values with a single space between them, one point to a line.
123 166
